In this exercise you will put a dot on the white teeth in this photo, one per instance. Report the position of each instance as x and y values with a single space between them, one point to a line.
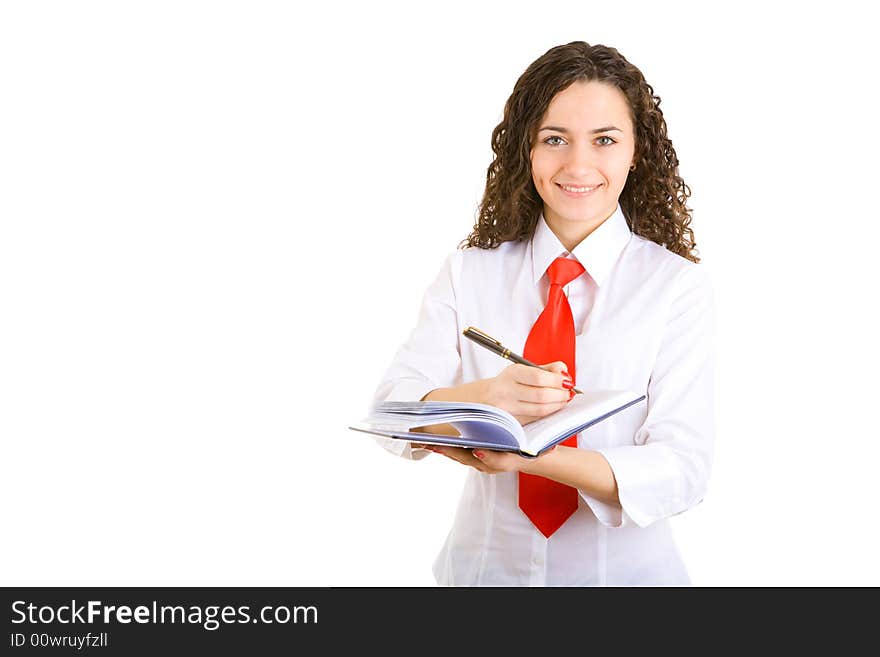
578 190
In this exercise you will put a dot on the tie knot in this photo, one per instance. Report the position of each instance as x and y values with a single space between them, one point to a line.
563 271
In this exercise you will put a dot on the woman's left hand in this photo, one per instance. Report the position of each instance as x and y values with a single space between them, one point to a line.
485 460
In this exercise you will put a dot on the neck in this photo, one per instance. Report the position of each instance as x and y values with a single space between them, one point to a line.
572 232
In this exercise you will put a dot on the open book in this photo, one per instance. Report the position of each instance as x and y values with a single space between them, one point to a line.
485 426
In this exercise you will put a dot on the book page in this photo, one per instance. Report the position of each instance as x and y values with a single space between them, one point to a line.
582 411
487 437
480 433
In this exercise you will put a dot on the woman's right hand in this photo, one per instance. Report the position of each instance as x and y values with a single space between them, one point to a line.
529 393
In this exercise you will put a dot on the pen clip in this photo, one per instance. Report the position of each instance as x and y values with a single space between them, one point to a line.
480 333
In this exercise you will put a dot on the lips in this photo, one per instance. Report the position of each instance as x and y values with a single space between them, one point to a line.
588 189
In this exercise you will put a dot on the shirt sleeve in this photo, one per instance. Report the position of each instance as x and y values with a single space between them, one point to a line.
666 470
430 357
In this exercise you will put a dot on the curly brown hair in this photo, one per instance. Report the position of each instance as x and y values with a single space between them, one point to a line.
654 197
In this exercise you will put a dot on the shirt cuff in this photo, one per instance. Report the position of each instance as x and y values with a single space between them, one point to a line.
607 514
648 485
406 390
409 390
610 515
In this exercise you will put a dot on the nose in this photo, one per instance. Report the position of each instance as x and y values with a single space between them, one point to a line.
580 160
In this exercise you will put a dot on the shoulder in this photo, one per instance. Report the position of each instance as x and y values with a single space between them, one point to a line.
665 267
474 261
677 289
477 256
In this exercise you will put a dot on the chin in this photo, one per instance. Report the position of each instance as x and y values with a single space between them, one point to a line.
578 219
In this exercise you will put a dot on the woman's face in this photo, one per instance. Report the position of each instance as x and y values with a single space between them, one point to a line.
585 140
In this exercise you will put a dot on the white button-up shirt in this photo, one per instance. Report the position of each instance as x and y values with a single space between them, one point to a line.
644 322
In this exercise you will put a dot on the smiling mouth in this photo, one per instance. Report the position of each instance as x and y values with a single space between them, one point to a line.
577 191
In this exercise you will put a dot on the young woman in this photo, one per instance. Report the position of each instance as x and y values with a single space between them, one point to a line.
584 219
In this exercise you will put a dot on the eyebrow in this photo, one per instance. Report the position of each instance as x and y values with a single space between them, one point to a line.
607 128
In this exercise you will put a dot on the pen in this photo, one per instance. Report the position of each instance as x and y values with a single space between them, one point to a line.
492 344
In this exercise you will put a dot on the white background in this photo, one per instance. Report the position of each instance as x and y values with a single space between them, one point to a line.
217 220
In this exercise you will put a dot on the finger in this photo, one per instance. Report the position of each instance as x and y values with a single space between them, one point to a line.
537 376
493 461
465 457
532 409
459 454
561 368
484 460
556 366
540 394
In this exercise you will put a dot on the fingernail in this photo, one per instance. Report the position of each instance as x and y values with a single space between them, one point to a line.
567 384
570 395
566 375
478 454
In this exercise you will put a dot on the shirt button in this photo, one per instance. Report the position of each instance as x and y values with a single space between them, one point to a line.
537 560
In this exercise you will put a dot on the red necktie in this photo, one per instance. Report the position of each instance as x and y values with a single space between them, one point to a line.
548 503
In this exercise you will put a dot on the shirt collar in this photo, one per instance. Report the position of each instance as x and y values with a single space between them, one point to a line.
597 252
